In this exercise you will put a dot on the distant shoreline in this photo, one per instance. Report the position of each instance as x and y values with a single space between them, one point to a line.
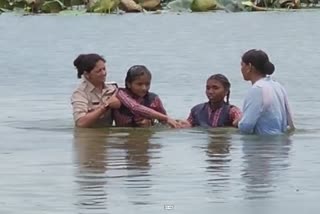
82 11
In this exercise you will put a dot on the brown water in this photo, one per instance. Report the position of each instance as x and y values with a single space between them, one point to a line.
47 166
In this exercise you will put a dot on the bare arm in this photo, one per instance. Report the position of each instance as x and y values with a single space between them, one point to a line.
186 123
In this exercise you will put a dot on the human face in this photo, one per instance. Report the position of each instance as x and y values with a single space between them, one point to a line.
245 70
215 91
141 85
98 74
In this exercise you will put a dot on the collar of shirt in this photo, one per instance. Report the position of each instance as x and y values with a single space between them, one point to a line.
260 81
210 109
106 89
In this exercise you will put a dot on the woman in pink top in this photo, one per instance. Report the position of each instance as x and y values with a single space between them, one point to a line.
139 107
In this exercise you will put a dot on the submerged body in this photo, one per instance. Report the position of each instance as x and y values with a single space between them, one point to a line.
86 99
205 116
266 110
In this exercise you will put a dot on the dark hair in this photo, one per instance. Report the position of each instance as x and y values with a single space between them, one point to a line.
136 71
224 81
86 62
260 60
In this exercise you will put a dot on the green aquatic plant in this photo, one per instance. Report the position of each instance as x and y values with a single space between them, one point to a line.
286 4
104 6
19 3
6 5
130 6
53 6
150 5
203 5
109 6
179 5
73 3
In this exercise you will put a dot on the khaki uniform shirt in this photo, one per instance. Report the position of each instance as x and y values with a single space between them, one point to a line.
86 98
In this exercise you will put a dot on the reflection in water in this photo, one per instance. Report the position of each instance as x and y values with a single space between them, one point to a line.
137 145
117 156
31 95
138 155
91 152
218 158
264 159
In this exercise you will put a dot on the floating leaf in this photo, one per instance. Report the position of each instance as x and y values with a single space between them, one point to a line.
247 3
19 4
150 4
203 5
75 2
130 6
104 6
6 5
179 5
54 6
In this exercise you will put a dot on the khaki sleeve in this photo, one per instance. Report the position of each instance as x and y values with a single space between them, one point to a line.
112 88
112 84
80 104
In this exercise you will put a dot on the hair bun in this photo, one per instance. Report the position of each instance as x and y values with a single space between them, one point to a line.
77 62
268 68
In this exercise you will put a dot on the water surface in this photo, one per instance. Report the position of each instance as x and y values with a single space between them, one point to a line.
47 166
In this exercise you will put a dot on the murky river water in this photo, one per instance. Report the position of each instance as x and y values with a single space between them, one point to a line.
47 166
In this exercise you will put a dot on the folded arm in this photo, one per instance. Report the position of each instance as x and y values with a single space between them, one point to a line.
82 116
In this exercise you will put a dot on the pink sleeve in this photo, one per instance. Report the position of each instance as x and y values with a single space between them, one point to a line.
158 106
235 113
134 106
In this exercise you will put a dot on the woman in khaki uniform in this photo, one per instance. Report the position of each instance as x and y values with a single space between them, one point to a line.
93 100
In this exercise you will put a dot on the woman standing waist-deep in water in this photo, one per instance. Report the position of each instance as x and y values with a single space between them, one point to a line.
93 99
266 109
139 106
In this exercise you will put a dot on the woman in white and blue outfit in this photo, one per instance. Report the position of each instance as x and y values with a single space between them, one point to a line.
266 110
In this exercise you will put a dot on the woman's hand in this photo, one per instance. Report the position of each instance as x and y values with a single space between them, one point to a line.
184 124
173 123
235 123
113 102
144 123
